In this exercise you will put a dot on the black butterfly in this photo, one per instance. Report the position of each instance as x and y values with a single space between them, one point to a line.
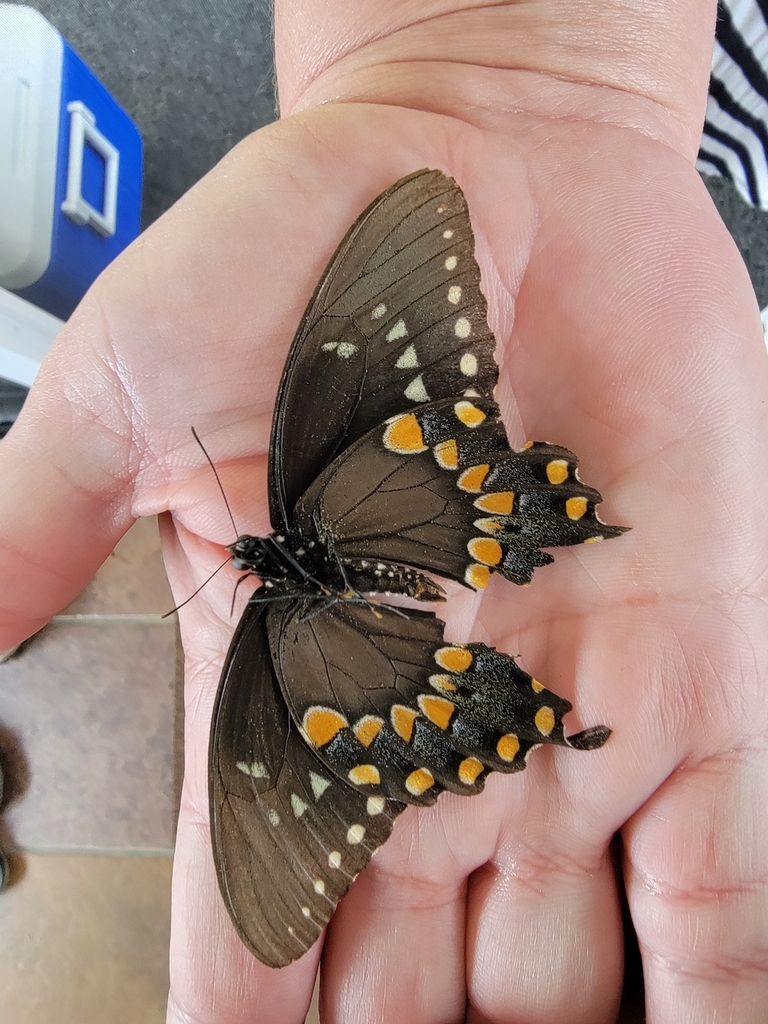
388 458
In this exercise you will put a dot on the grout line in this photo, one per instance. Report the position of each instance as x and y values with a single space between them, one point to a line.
97 851
129 619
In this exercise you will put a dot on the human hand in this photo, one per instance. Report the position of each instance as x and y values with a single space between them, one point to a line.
627 331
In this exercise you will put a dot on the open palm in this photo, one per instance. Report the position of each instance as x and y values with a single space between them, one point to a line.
626 331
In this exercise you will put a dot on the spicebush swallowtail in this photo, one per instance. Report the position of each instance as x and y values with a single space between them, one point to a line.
388 460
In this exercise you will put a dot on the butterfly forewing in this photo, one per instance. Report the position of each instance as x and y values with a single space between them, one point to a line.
288 836
397 320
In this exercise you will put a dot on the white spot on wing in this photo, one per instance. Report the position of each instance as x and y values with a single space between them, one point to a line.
319 886
273 816
416 390
329 346
409 360
355 834
462 328
398 331
319 784
454 294
378 311
346 350
450 263
256 770
334 859
448 233
306 911
468 364
375 805
298 805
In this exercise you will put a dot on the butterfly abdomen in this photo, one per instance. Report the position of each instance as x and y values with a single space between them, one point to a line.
370 576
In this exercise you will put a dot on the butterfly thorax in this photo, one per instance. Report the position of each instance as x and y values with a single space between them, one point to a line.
287 563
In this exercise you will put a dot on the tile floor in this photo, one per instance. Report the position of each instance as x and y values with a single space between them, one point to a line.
90 726
90 738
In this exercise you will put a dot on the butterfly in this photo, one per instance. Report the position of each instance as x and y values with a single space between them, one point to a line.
388 463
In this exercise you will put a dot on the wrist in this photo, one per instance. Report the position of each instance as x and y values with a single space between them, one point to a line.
645 65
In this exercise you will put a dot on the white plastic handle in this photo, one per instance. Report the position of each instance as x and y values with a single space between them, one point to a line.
82 130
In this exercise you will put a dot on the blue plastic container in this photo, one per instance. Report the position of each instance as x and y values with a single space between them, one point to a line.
70 167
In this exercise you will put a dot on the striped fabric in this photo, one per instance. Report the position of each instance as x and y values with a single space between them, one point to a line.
735 139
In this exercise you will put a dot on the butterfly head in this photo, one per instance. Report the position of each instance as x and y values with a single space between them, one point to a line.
248 552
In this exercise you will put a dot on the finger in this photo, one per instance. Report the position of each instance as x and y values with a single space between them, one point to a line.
544 931
395 947
214 977
65 499
697 882
544 940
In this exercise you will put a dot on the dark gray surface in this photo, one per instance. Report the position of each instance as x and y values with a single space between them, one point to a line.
749 228
11 400
195 75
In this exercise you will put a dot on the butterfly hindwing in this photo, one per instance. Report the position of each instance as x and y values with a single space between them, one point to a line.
397 712
397 320
288 836
440 489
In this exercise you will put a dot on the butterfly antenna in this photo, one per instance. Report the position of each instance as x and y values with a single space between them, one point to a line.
218 481
205 584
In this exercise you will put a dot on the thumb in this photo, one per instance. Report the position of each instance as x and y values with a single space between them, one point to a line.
67 483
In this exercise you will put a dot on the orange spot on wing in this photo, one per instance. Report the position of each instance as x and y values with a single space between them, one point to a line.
443 683
576 507
447 454
453 659
420 781
365 775
469 414
557 471
402 721
437 709
501 502
472 479
367 729
404 436
322 724
508 746
469 769
477 576
545 720
485 550
489 525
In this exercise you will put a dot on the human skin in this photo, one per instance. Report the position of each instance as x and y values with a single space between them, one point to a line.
627 330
